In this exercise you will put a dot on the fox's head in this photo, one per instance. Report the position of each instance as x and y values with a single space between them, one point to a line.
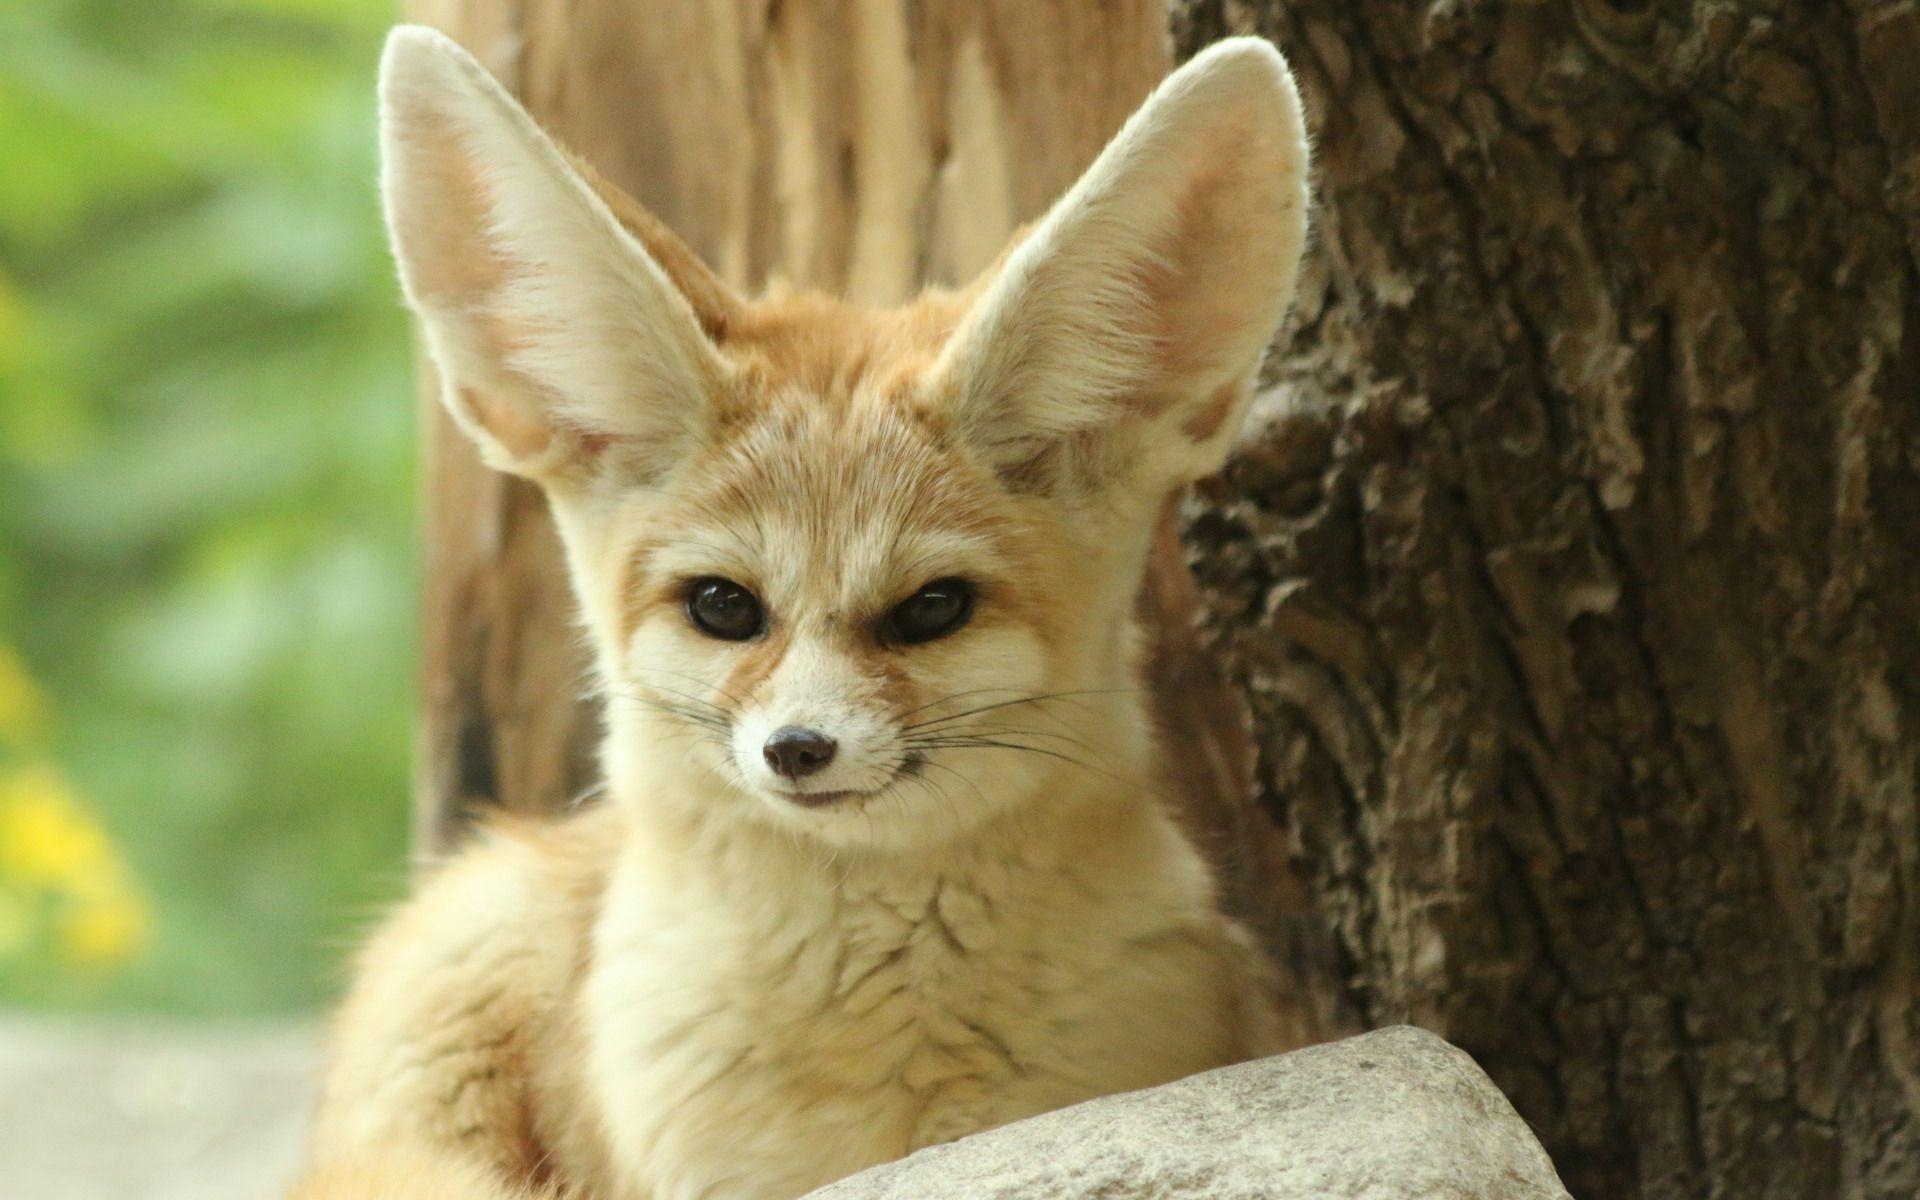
865 573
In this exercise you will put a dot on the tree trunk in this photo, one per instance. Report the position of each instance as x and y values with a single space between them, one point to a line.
1571 576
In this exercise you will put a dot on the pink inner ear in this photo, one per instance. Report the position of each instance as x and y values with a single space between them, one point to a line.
1206 421
1208 289
444 209
453 264
519 435
453 268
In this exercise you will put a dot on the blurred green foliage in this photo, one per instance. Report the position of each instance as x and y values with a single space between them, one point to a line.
206 453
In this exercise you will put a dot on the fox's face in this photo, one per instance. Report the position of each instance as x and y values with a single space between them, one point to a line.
825 608
863 573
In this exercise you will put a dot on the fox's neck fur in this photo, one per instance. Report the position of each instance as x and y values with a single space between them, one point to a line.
1103 791
882 860
773 892
928 979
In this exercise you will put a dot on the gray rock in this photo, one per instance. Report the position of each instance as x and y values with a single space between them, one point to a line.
1397 1114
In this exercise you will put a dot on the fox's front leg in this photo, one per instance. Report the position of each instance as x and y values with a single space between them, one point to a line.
448 1041
436 1120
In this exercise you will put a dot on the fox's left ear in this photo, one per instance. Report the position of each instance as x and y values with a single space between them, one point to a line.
1144 300
570 336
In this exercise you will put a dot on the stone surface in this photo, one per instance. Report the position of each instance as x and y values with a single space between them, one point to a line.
112 1111
1393 1115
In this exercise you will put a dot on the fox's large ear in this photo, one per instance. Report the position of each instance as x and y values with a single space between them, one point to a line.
561 341
1144 300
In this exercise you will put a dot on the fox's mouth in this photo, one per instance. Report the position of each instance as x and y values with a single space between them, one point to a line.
820 799
909 767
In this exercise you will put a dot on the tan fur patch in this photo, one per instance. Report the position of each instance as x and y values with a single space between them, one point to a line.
459 215
638 591
756 662
1206 421
829 349
508 423
1199 317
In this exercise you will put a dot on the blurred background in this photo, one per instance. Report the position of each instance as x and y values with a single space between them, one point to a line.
207 579
207 573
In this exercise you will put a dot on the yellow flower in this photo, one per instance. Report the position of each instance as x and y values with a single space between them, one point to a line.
55 859
104 930
45 837
22 709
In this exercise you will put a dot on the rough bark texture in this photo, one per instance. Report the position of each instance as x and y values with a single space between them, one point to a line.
866 147
1572 578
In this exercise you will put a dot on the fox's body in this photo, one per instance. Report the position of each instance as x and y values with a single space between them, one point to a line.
708 1039
881 861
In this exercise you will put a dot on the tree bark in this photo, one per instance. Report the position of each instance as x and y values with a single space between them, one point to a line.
1570 575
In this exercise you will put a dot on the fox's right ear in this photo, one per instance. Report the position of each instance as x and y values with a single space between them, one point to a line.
563 345
1119 342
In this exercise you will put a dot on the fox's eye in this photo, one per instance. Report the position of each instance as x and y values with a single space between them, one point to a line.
934 611
723 609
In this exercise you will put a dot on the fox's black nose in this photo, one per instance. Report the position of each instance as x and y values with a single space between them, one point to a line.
795 750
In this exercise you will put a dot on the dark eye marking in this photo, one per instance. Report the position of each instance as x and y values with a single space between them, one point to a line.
721 608
936 610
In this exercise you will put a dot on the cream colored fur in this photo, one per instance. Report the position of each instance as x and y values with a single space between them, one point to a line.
703 987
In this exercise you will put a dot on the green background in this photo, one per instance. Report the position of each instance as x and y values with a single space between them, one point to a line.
207 559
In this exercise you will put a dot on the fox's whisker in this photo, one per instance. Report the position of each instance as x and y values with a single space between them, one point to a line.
696 680
702 713
961 742
703 705
1007 731
676 715
950 698
1041 698
957 775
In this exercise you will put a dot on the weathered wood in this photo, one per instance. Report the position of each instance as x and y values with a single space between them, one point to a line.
1573 583
866 147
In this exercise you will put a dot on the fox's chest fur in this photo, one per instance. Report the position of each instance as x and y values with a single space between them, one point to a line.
763 1049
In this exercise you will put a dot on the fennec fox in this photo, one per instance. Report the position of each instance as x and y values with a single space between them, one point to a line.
880 862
